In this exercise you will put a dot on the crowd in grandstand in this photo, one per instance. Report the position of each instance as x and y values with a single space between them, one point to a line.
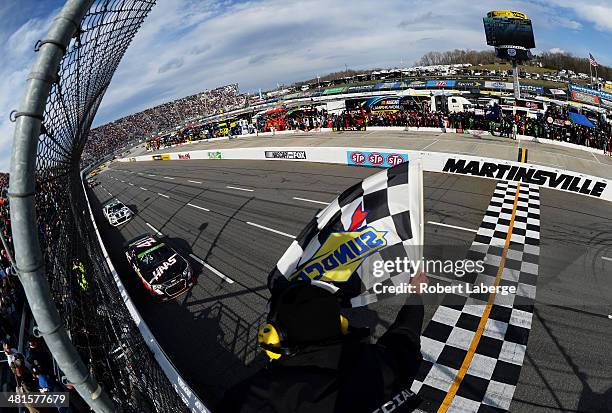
162 118
32 368
166 122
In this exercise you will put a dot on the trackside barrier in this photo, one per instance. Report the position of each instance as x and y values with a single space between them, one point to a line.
474 132
544 176
185 392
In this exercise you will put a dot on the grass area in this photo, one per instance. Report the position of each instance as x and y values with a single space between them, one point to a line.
526 69
540 82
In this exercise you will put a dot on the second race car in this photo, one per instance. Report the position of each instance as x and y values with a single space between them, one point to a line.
116 212
162 270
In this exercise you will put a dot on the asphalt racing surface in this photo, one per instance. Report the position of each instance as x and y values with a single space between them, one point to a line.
236 218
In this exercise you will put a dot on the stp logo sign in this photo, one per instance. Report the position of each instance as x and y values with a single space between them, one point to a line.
394 159
376 158
441 83
358 157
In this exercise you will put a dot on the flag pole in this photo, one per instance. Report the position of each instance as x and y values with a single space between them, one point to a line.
591 72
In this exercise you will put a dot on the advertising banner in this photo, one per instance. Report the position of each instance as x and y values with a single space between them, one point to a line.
361 88
532 88
507 13
375 159
531 104
582 89
333 91
469 84
416 83
383 104
530 174
499 85
285 154
585 97
558 92
388 85
440 83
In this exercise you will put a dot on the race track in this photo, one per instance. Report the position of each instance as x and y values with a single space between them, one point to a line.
238 217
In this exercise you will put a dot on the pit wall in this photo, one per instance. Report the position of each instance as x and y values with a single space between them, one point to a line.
473 132
543 176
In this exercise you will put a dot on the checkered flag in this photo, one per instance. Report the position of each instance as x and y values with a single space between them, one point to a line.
379 219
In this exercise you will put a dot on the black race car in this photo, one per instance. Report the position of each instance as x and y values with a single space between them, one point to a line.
162 270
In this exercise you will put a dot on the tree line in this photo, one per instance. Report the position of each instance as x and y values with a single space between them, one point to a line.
568 61
549 60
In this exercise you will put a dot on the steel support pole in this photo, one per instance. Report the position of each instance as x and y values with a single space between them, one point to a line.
28 256
515 80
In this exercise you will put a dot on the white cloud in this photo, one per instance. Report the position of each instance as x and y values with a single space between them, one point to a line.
565 22
17 56
260 43
598 12
556 50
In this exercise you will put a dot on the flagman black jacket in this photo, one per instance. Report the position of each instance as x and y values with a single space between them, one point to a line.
348 377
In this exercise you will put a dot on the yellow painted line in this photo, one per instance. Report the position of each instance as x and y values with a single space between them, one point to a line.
450 395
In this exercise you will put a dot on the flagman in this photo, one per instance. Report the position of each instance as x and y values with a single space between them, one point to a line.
318 363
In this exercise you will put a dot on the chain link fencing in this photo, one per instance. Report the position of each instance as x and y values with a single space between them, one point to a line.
80 282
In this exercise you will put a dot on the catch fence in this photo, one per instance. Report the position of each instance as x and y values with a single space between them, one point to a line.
74 298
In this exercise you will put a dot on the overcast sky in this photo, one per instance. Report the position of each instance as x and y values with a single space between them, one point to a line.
186 46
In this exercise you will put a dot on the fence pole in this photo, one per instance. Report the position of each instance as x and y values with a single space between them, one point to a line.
28 255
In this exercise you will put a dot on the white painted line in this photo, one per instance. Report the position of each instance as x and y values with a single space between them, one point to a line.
452 226
154 229
122 181
199 207
139 173
212 269
434 142
165 196
240 189
168 177
151 175
271 230
606 259
194 182
131 184
598 161
610 316
310 200
144 189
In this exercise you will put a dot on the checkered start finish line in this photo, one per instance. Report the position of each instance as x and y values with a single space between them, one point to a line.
473 348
